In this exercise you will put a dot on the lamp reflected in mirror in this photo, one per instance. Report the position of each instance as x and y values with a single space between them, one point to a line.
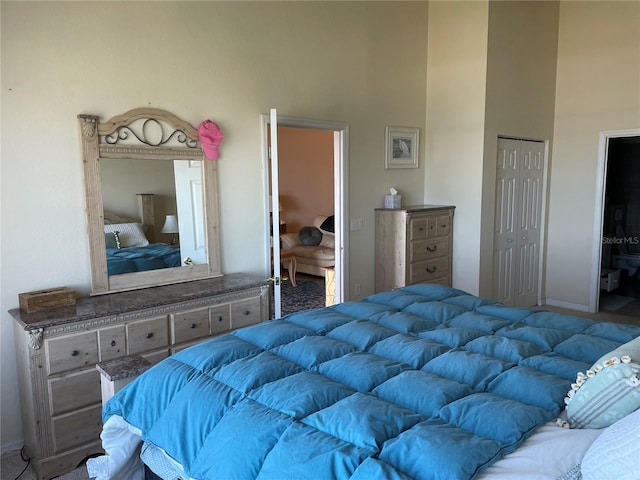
171 226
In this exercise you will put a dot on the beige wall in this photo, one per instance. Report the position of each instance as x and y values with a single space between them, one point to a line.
363 63
521 80
305 158
486 77
457 66
598 89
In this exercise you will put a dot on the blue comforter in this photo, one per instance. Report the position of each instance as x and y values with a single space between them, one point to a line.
139 259
424 382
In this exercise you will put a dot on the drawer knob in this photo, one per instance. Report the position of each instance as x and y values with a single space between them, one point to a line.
194 325
113 343
75 353
431 269
150 335
247 312
443 225
220 318
432 248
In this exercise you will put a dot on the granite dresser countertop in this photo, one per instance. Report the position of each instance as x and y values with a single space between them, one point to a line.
87 308
123 367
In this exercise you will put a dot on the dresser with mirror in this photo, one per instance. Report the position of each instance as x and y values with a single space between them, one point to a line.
156 281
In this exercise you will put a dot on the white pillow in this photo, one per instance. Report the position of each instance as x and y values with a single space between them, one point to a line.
615 453
130 234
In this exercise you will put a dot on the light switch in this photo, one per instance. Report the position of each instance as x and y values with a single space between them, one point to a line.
356 224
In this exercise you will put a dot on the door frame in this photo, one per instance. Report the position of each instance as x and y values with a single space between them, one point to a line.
601 187
340 189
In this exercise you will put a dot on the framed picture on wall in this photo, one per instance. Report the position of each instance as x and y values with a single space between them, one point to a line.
401 147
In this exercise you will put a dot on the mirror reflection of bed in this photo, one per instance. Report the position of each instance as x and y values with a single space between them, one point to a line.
152 231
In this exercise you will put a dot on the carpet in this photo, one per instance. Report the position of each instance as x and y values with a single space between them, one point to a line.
307 295
613 303
13 466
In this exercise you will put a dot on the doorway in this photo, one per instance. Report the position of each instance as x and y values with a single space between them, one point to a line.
619 279
334 136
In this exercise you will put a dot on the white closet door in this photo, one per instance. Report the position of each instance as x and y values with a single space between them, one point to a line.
529 217
520 165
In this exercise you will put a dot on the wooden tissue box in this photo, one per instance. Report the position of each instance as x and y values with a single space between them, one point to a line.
46 299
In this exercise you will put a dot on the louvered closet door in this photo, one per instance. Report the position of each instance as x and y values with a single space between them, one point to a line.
520 165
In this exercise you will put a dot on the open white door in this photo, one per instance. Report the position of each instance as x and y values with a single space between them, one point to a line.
189 201
275 222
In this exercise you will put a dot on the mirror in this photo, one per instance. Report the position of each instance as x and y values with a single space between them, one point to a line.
152 209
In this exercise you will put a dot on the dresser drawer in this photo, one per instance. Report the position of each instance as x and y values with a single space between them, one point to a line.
156 357
190 325
245 312
112 342
147 335
418 228
443 225
220 319
425 249
77 428
71 352
428 270
74 391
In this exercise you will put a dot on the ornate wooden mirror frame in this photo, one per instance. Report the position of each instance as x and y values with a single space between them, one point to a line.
117 138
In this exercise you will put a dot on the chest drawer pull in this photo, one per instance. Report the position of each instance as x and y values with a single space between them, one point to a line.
247 312
150 335
75 353
220 318
432 248
113 343
431 269
194 325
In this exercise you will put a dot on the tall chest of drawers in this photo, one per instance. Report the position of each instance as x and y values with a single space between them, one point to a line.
413 245
57 351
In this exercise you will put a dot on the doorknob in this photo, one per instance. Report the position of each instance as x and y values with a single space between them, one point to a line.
278 280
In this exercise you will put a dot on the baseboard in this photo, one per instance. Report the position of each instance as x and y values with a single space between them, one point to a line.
567 305
11 447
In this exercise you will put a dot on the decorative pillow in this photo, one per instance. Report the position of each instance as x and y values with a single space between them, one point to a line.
112 240
614 454
131 234
310 236
329 224
608 391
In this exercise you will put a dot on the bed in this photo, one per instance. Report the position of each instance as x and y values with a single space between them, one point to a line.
423 382
129 243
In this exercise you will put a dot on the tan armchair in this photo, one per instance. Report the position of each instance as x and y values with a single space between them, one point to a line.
311 259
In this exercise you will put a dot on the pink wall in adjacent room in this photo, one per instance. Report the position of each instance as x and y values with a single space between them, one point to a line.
306 175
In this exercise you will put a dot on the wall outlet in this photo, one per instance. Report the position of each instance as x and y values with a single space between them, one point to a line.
357 289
